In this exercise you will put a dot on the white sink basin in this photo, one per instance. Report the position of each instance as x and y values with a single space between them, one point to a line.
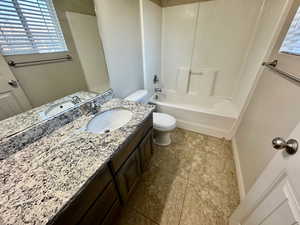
58 108
109 120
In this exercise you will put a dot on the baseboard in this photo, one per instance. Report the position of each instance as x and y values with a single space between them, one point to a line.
207 130
239 174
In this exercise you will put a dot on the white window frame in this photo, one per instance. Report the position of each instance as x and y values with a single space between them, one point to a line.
33 46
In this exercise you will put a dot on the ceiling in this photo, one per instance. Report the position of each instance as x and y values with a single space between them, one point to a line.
166 3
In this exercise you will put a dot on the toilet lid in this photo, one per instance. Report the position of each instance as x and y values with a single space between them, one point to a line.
163 122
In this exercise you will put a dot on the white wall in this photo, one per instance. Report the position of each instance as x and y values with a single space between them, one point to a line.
151 14
262 38
271 111
88 44
120 28
223 34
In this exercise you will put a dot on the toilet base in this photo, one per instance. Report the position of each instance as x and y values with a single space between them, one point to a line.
162 138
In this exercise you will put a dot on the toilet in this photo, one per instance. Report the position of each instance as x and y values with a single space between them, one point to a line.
163 123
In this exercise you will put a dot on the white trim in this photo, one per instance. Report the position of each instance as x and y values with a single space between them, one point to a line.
203 129
141 2
238 169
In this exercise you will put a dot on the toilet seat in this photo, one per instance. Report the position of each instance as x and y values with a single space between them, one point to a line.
163 122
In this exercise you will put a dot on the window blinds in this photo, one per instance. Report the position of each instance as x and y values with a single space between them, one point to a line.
291 43
29 26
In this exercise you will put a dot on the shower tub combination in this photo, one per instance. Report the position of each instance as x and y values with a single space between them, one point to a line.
211 115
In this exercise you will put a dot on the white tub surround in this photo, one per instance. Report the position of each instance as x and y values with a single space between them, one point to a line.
211 116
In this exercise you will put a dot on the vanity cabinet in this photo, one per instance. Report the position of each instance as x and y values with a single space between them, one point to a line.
146 151
100 200
132 160
101 207
129 175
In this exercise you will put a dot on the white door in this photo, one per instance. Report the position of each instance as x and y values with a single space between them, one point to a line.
12 98
275 197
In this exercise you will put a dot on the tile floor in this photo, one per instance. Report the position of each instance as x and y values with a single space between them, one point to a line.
190 182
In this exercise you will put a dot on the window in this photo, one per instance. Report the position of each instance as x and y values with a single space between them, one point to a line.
291 43
29 26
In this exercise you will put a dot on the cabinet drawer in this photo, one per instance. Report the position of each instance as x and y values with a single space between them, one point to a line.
128 176
101 207
73 212
121 156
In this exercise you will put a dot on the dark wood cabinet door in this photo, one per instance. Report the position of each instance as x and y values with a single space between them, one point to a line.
131 144
129 175
146 151
112 215
102 206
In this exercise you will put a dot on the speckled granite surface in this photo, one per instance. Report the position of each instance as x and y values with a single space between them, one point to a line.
15 143
26 119
37 181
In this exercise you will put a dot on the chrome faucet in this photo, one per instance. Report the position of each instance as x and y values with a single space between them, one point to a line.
75 100
157 90
90 108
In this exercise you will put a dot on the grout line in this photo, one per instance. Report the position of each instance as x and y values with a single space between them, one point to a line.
142 214
185 193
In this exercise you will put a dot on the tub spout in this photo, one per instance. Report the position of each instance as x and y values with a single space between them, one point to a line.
157 90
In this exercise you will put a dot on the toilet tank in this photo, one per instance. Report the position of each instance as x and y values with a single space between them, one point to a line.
138 96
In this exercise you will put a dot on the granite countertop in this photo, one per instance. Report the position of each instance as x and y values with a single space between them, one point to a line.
26 119
39 180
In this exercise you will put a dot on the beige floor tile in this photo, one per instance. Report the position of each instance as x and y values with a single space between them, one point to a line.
205 205
131 217
221 173
159 196
175 160
215 166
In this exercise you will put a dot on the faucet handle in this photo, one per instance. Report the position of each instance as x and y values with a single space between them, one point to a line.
89 108
76 99
94 107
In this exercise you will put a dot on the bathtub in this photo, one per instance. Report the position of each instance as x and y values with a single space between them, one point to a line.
212 116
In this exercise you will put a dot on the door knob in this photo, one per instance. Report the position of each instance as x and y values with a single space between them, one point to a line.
13 83
290 146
